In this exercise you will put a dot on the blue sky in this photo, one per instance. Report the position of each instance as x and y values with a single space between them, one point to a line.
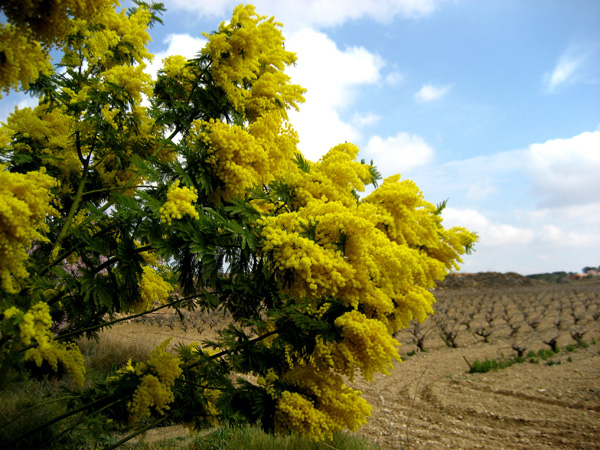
492 104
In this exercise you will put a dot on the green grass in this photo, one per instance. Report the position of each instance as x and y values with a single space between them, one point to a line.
108 354
543 355
253 438
493 364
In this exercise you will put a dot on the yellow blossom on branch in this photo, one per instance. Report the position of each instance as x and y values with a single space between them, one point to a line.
246 157
179 203
158 376
153 289
321 404
248 60
23 59
25 202
34 331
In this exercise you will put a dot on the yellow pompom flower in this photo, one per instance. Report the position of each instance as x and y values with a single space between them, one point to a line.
248 61
333 405
296 413
158 376
50 22
379 255
25 202
366 344
153 289
150 393
48 134
23 59
245 157
179 203
34 330
68 354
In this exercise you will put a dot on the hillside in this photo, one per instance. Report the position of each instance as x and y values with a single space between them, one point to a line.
487 280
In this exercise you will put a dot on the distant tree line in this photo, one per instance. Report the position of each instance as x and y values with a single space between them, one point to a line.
563 277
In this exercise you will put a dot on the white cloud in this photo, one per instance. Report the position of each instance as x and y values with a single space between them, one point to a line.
429 93
542 204
296 14
554 235
28 102
568 68
556 173
583 218
474 179
394 78
481 190
331 77
567 171
491 234
328 72
363 120
548 245
399 153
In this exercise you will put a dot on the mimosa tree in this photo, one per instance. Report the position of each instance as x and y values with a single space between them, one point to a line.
110 209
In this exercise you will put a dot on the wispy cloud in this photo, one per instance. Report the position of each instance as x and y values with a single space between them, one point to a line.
568 68
394 78
296 14
429 93
363 120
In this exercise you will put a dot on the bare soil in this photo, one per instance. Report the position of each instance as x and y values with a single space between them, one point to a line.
431 401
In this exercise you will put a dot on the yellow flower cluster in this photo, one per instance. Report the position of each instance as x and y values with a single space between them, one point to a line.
23 59
113 37
150 393
68 354
50 21
127 368
158 377
379 255
48 134
333 178
318 270
25 202
296 412
110 114
179 203
131 79
243 158
174 66
149 256
116 45
322 405
34 329
366 344
33 27
34 325
248 62
153 289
